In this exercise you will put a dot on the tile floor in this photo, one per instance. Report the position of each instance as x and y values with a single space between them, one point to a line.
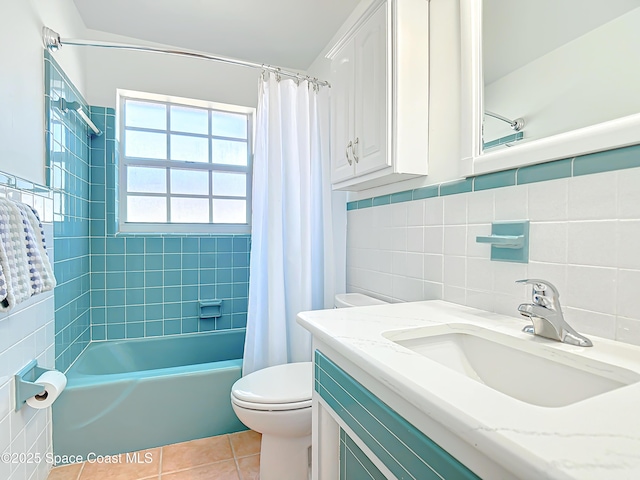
225 457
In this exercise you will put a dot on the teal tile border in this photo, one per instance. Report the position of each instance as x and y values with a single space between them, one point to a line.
426 192
599 162
401 197
618 159
382 200
544 171
459 186
368 202
495 180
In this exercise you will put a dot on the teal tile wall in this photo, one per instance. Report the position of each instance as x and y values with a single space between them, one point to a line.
124 286
67 163
150 285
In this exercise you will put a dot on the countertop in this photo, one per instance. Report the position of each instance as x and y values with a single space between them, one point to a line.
597 438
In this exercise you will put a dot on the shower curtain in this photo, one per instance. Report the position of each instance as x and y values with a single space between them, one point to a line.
292 247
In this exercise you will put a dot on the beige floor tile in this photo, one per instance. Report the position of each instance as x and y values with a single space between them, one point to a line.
249 467
225 470
126 468
185 455
65 472
245 443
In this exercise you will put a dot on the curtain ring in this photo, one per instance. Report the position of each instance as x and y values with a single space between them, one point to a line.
278 76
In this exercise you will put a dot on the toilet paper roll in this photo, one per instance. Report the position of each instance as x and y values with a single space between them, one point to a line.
54 383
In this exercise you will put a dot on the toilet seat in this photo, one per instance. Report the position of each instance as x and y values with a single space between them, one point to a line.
270 407
278 388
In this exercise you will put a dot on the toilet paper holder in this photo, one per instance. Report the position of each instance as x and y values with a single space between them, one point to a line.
25 385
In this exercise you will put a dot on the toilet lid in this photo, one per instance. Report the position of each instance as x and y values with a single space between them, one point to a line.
343 300
282 384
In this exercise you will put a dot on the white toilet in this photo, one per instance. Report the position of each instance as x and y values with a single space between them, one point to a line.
276 402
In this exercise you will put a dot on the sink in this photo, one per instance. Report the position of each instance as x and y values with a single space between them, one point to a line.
520 368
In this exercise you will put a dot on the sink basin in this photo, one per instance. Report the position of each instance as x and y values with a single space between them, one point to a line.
522 369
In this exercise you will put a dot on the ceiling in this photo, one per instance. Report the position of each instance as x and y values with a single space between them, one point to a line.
517 32
287 33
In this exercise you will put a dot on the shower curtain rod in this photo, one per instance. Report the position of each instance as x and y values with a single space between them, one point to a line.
516 124
53 42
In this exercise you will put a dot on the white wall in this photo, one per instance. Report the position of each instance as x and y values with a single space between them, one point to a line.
583 239
321 69
26 333
22 79
587 81
109 69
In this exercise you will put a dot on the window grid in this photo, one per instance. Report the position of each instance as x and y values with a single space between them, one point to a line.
176 165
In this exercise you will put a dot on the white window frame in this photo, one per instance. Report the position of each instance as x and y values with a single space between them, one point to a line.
167 227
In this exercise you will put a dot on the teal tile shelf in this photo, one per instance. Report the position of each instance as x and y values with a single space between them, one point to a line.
509 241
610 160
210 309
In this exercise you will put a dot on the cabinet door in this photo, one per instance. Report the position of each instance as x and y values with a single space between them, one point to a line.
354 464
370 94
342 113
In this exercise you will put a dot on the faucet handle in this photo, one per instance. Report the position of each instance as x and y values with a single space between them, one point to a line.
544 293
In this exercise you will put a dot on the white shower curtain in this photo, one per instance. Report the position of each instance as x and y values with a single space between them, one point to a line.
292 245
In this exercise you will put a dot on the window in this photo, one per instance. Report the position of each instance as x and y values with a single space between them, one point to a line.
186 167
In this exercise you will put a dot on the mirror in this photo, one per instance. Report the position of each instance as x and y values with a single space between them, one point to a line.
567 72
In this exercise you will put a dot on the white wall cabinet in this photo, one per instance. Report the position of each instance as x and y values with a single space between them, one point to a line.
380 91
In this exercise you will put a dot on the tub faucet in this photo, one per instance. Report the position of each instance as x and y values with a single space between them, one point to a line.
546 314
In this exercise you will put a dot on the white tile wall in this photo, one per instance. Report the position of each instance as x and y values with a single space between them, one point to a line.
585 238
26 333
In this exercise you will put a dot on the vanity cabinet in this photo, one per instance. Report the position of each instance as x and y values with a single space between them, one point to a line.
375 441
379 79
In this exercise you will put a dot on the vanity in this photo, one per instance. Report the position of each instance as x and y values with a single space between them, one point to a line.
437 390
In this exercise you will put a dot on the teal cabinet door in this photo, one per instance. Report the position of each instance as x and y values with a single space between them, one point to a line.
402 448
354 464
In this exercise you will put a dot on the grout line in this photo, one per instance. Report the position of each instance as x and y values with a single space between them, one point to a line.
160 462
81 470
235 458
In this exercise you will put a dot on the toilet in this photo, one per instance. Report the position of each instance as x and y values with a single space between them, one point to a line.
276 401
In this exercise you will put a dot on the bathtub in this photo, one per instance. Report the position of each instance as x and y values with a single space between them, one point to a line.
129 395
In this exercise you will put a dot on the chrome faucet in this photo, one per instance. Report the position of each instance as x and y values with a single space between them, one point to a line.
546 314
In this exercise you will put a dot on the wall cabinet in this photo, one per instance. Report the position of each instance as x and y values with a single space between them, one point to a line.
380 96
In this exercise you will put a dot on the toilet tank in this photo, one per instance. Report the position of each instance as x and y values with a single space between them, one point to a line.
344 300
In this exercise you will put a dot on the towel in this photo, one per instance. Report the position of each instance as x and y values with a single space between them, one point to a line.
25 269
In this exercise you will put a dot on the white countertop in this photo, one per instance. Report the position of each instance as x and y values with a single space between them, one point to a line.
597 438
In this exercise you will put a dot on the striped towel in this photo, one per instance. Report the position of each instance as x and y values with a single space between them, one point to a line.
25 269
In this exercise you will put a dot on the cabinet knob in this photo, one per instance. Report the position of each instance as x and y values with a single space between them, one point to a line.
346 152
353 149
